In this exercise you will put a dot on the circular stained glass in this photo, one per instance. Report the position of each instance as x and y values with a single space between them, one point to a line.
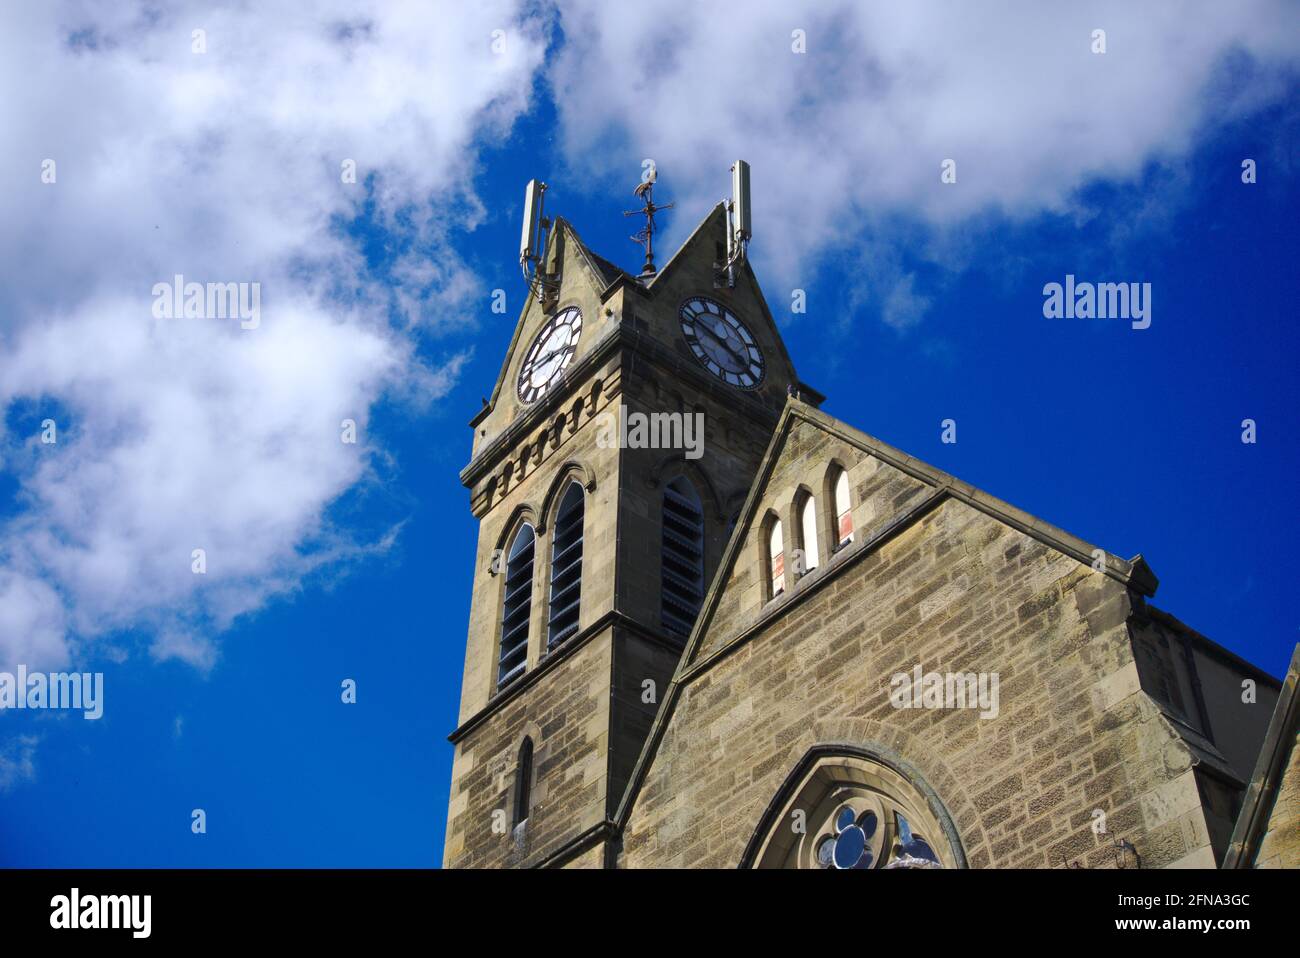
868 824
849 846
860 815
826 853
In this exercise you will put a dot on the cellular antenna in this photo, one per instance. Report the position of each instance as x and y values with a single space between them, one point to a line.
645 235
532 243
739 223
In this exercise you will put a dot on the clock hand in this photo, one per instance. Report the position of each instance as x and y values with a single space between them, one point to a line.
721 327
542 360
714 336
728 337
734 353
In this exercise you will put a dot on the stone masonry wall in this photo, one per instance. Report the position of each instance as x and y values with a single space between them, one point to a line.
528 489
566 712
1280 847
567 717
958 590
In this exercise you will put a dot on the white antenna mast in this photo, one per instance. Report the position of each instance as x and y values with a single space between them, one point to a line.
739 222
532 244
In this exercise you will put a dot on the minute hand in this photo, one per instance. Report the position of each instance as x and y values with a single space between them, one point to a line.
543 360
720 341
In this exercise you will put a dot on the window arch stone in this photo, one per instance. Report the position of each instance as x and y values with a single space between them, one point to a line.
517 604
574 470
565 597
805 531
772 554
837 499
854 807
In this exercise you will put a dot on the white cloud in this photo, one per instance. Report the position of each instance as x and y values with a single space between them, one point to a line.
848 138
32 621
16 760
223 166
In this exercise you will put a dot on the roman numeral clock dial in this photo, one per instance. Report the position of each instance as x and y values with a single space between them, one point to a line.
550 354
722 343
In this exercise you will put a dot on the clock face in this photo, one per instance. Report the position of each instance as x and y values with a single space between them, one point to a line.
722 343
550 354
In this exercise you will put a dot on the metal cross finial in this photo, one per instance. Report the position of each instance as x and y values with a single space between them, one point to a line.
645 235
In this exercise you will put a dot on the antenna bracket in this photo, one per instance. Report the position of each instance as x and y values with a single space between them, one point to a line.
738 226
535 245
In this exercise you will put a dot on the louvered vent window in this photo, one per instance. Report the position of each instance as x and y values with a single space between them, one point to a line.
518 606
566 567
682 585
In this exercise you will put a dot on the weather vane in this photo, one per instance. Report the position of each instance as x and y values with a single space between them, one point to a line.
645 235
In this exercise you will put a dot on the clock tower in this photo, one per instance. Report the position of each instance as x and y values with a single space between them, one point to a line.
619 444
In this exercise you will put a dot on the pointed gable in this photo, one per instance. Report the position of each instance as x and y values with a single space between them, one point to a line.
584 277
584 281
890 492
691 272
649 311
897 503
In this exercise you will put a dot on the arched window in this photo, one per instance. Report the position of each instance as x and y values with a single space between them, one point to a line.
682 575
518 606
524 781
808 531
566 567
843 512
776 559
860 813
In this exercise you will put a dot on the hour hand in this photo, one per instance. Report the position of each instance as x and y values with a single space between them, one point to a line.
716 338
543 360
725 343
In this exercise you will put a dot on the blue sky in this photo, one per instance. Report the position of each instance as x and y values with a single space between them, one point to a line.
332 562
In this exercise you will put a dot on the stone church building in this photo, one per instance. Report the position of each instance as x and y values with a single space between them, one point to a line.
792 645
